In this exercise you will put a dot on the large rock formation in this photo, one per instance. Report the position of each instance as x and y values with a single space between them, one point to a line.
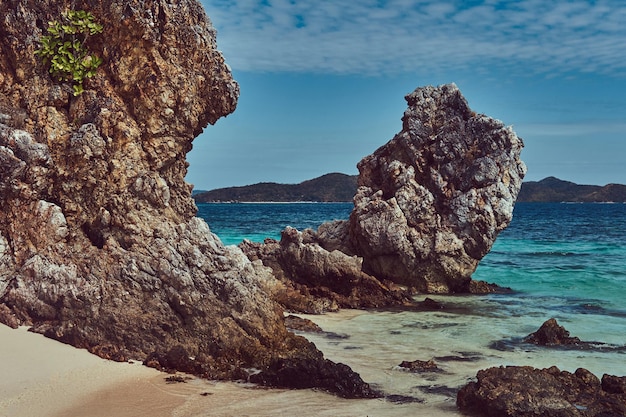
430 202
99 246
524 391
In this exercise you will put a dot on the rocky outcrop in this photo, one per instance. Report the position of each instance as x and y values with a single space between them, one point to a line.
99 246
430 202
526 392
315 280
552 334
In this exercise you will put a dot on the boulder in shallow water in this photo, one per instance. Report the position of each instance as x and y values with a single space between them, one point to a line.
550 334
524 391
315 373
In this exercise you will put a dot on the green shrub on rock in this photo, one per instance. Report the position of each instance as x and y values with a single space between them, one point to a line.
63 48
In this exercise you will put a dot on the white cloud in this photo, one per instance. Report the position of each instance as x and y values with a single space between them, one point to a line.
370 36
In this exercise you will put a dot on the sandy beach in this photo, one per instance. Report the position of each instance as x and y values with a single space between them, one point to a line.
45 378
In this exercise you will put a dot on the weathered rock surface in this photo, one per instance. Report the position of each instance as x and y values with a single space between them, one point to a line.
316 373
550 334
429 206
99 246
301 324
316 280
432 201
529 392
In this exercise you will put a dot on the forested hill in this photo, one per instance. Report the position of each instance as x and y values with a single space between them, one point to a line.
342 187
329 187
552 189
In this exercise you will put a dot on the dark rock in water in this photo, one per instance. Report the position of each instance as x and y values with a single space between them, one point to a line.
526 391
403 399
301 324
421 366
315 373
614 384
551 333
442 390
99 244
482 287
431 304
462 357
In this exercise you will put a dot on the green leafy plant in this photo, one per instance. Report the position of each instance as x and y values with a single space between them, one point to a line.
64 50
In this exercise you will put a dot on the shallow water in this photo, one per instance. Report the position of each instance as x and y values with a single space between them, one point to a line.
562 260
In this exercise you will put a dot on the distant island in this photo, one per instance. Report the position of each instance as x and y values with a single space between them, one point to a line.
552 189
337 187
334 187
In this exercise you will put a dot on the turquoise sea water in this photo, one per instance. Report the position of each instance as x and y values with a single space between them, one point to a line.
233 222
566 261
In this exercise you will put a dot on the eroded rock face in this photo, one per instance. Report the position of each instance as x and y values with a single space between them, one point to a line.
525 392
432 201
99 246
315 280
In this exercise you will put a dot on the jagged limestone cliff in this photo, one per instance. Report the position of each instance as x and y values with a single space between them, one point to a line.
99 246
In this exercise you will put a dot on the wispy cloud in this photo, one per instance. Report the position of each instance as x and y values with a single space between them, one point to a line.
392 36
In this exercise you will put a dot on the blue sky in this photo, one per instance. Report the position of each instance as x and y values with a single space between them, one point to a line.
323 82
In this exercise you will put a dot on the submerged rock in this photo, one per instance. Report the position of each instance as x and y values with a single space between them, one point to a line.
99 246
420 366
525 391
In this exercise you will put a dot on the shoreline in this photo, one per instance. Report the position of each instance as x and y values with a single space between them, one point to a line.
43 377
46 378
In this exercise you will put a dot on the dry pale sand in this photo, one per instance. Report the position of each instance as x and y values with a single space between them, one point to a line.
42 377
